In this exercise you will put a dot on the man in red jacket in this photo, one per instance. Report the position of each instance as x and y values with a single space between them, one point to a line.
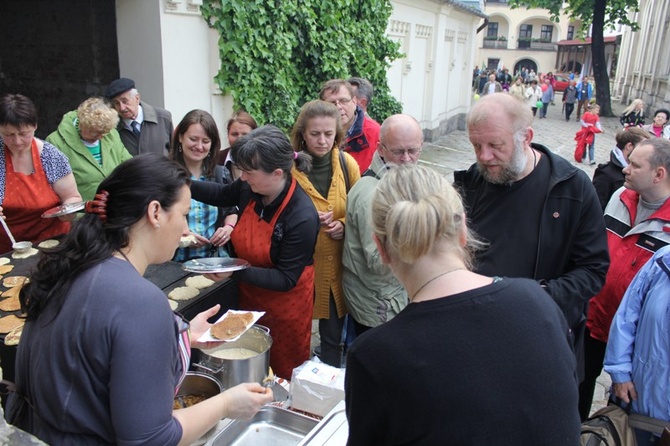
637 218
361 131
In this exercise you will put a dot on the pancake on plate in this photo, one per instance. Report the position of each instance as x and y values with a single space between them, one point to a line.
231 326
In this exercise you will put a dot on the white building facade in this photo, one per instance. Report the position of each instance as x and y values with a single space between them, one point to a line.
171 53
644 58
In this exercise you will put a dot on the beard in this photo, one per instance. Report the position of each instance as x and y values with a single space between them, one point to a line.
508 172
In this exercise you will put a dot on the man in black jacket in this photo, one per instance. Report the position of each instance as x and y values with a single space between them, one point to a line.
609 177
538 213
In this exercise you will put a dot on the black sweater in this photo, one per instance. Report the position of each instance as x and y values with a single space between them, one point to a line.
292 246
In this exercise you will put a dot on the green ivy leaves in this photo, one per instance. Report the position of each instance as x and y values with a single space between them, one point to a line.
275 54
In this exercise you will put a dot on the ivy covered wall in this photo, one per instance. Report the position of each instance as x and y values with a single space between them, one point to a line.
275 54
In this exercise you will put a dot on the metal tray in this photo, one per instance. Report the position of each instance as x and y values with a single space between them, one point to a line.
64 209
333 430
215 265
271 425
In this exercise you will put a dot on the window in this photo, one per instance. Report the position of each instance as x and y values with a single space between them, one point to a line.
547 31
526 32
571 32
492 30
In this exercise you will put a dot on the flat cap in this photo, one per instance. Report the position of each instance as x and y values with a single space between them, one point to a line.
119 86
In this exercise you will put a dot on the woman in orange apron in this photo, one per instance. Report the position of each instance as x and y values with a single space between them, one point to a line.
34 176
277 234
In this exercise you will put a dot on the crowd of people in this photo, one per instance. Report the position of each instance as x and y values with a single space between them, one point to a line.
442 283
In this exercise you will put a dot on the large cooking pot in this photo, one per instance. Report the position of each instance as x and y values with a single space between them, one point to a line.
256 341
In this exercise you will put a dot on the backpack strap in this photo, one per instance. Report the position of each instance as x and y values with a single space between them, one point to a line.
345 170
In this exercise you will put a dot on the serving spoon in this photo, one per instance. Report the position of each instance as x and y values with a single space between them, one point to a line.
16 246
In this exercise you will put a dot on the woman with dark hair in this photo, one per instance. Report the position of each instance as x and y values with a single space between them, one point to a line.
238 125
101 354
276 233
34 176
195 145
318 132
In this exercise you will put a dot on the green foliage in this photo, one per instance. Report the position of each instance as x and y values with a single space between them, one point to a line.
616 11
276 54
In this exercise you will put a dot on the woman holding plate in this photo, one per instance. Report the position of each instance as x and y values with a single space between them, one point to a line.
102 355
34 176
276 233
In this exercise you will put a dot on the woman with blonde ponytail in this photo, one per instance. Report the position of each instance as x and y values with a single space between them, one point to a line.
469 350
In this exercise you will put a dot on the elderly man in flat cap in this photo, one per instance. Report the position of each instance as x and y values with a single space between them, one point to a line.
142 127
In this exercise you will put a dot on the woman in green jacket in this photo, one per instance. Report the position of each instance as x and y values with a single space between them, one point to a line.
88 137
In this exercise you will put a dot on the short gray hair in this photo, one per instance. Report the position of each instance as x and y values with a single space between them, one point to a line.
364 88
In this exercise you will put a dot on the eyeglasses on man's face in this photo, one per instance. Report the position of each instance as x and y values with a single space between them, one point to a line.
401 152
343 101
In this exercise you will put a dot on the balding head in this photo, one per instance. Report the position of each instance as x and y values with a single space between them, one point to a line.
400 139
493 106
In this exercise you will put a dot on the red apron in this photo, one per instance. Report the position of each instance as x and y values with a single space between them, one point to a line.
288 313
26 199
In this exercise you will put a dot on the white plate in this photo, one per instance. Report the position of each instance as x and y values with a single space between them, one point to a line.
215 265
207 336
64 209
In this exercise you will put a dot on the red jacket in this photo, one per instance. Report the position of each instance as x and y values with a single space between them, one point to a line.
584 137
362 143
630 247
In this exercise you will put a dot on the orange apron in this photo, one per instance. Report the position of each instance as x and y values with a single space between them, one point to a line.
26 199
288 313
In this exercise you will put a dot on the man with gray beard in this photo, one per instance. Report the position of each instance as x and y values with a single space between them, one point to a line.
538 214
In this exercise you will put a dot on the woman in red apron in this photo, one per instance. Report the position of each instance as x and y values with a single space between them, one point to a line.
34 176
277 234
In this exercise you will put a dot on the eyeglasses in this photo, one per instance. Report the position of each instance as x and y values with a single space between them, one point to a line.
401 152
343 101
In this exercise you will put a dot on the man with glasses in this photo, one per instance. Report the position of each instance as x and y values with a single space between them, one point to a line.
538 214
361 131
372 293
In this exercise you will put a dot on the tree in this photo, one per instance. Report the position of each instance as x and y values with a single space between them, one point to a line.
591 12
276 54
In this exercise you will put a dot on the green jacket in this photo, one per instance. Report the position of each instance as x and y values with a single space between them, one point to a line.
87 172
371 291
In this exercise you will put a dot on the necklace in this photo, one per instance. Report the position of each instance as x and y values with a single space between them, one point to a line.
432 280
534 158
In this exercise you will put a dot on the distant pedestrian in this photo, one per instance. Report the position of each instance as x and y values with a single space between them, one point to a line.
633 115
547 95
518 90
569 99
534 96
584 94
591 123
492 86
609 177
659 127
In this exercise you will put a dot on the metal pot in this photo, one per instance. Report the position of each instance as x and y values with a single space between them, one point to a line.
199 384
231 372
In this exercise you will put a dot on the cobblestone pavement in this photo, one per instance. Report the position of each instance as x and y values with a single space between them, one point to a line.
454 152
